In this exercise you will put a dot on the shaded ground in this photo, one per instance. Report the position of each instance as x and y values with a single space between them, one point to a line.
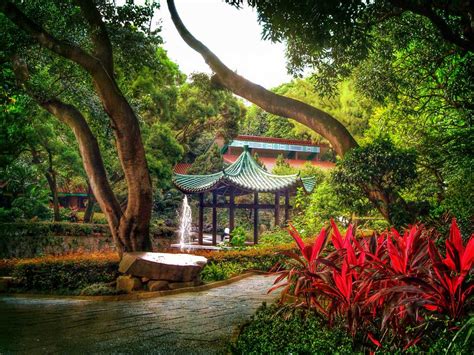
201 322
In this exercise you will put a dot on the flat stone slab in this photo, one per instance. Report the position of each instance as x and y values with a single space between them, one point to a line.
162 266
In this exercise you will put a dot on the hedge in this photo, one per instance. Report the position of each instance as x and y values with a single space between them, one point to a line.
28 239
23 229
74 272
65 273
32 239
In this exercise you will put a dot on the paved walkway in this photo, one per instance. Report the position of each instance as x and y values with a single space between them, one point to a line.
186 323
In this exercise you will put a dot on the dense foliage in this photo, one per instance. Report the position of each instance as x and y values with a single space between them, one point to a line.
272 331
390 288
278 329
66 274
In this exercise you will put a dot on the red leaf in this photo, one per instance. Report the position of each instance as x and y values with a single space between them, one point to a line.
431 307
336 236
296 236
413 342
455 237
318 244
373 340
468 256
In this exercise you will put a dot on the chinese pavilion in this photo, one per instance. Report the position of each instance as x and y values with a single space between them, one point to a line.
242 177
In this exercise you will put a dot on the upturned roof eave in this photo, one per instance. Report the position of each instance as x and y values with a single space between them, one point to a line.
252 179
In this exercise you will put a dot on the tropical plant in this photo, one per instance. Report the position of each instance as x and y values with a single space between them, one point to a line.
389 282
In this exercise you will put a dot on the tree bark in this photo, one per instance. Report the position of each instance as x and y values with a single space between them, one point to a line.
89 212
318 120
131 226
51 177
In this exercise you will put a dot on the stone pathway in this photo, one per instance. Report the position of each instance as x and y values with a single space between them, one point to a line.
187 323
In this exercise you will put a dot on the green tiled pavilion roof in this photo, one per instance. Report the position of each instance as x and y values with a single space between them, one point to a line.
245 175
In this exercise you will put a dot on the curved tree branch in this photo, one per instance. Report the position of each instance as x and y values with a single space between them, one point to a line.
99 35
46 40
134 224
318 120
446 32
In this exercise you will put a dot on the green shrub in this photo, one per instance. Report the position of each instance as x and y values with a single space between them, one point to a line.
100 289
274 237
255 258
9 214
272 331
161 230
71 273
75 273
21 229
220 271
29 239
97 218
239 237
31 208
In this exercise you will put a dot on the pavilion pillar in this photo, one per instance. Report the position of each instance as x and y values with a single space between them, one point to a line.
201 218
232 209
255 218
287 206
277 208
214 218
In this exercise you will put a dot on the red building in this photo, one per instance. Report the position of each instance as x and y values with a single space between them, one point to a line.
296 152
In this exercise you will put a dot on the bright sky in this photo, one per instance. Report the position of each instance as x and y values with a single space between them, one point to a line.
233 35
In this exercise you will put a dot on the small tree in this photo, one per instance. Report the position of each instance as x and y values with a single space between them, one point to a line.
382 168
259 161
208 163
282 167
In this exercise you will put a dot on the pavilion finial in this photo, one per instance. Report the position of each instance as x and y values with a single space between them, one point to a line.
246 148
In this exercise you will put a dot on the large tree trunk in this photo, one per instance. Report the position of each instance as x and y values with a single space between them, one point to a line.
89 212
319 121
390 205
50 176
130 227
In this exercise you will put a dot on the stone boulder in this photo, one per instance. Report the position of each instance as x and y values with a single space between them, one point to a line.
163 266
158 285
128 283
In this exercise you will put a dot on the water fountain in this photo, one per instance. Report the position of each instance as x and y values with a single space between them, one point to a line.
164 271
184 232
185 222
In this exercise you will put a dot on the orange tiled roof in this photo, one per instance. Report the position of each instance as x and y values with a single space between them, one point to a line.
181 168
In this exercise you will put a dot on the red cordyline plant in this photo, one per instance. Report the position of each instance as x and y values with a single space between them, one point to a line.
390 281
